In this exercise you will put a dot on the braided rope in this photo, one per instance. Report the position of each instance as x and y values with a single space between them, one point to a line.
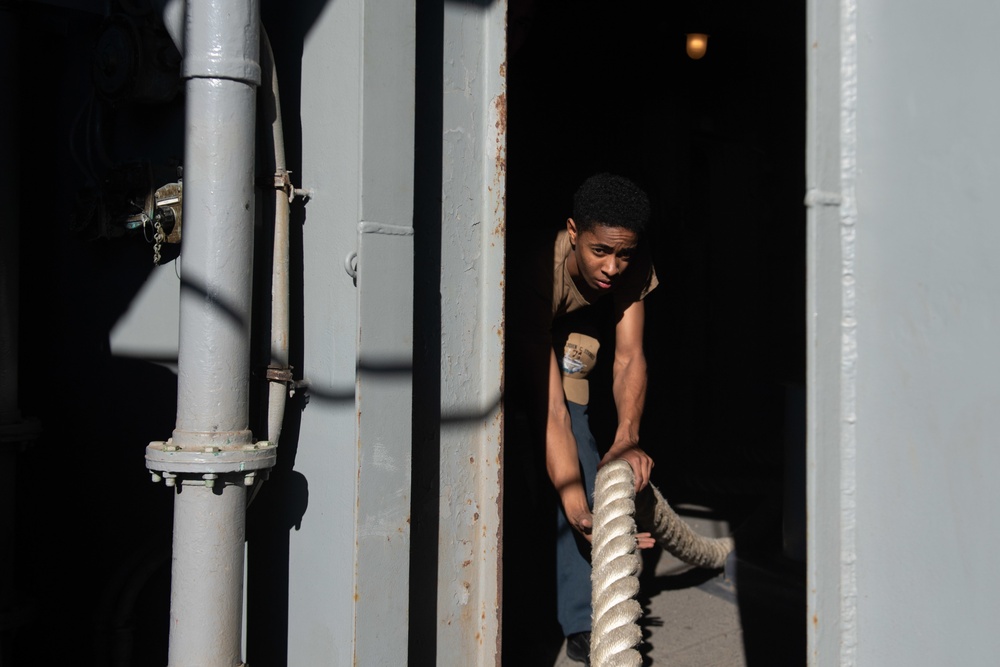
676 537
615 632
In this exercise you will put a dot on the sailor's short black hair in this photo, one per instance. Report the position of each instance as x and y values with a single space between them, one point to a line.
612 201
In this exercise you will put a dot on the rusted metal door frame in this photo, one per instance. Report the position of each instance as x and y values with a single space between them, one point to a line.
472 293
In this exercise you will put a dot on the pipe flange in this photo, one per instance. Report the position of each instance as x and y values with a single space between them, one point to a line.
168 462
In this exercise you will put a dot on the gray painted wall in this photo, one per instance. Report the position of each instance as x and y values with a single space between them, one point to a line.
903 312
329 545
356 110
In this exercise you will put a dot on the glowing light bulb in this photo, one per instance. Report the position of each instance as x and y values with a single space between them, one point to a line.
697 44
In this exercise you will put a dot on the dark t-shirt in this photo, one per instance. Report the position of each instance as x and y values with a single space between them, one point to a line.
545 311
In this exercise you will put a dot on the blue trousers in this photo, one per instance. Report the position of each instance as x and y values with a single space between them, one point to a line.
572 568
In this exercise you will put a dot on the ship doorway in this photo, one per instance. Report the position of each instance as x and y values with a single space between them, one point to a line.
719 145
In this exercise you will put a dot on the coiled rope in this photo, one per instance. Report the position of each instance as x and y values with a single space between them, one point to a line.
616 633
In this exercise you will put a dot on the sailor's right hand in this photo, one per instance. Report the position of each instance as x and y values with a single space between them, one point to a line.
580 517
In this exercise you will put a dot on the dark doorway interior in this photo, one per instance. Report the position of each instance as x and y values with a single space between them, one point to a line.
719 144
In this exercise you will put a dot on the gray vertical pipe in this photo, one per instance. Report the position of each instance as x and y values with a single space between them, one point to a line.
222 70
278 390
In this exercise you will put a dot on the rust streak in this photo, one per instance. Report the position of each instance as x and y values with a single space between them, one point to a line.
501 105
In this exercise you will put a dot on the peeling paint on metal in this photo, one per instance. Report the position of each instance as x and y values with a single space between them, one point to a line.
463 593
474 174
382 457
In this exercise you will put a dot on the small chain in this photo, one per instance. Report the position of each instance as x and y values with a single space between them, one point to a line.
158 238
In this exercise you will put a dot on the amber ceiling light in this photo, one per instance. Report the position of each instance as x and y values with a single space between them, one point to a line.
697 44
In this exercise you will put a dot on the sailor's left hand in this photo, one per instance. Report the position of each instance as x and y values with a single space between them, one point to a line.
640 462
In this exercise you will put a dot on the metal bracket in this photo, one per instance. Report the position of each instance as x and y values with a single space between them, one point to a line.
817 197
351 265
283 183
279 374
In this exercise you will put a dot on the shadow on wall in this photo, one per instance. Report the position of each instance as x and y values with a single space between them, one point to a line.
93 533
586 92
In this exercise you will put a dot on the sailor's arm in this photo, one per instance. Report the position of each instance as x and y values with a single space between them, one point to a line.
630 393
561 456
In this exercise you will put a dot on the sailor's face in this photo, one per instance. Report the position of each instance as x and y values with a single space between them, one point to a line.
601 255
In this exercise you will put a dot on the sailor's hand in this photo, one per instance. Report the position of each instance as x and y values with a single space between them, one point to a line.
644 540
580 517
640 462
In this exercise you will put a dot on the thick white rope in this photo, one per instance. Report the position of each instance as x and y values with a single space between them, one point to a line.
615 633
677 538
614 580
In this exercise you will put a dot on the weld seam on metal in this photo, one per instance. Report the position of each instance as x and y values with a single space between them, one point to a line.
849 348
384 228
243 70
817 197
